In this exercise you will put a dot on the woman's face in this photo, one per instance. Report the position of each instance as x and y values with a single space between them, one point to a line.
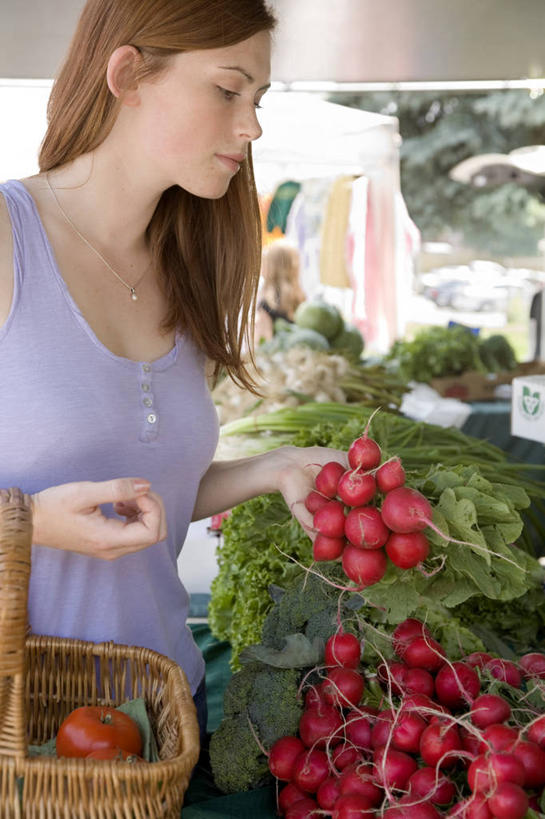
195 122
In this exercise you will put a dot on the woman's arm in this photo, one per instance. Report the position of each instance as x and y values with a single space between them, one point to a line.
290 470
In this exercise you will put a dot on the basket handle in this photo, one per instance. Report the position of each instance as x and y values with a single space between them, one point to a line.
15 549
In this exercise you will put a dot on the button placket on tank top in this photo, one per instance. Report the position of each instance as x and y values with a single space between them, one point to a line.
150 418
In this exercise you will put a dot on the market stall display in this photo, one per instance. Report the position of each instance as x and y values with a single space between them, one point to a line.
261 537
304 709
458 363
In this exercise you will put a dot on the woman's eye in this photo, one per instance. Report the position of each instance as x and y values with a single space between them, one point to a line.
229 95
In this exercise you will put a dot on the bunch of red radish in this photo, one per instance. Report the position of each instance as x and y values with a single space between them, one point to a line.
351 527
440 744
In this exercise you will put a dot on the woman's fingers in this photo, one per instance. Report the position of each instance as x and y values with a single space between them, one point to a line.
70 517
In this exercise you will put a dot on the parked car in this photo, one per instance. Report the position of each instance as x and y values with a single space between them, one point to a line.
477 297
444 292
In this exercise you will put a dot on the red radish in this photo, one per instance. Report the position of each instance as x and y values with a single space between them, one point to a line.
288 795
478 659
328 793
344 755
419 681
329 519
536 732
408 808
474 808
489 709
314 697
425 652
317 725
471 742
406 632
282 756
406 510
352 806
486 771
314 501
406 732
533 759
327 548
365 528
358 730
310 769
304 809
508 802
498 737
382 729
391 676
504 670
456 685
407 550
360 779
343 686
364 452
422 703
343 648
439 744
393 768
364 566
431 785
390 475
328 477
533 665
356 488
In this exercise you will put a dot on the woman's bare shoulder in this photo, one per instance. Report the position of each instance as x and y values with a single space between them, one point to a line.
6 261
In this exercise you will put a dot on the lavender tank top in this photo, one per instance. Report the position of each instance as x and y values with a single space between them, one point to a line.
74 411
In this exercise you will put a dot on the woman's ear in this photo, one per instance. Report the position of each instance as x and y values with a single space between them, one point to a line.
121 74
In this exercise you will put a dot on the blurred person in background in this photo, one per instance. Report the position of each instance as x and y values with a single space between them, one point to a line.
280 290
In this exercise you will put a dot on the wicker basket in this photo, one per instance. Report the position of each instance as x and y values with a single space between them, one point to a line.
42 679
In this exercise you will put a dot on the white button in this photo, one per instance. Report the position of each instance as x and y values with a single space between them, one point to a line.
146 387
146 368
152 418
148 402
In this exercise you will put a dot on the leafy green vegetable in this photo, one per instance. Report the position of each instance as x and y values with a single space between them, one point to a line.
437 351
248 562
497 354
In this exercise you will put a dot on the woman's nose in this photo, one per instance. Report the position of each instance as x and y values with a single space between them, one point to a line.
250 127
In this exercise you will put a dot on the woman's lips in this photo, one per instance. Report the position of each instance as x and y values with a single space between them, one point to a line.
232 162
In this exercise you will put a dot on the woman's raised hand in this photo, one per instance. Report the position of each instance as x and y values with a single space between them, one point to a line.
69 517
296 477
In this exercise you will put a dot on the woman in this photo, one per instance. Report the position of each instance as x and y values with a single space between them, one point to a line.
126 264
280 294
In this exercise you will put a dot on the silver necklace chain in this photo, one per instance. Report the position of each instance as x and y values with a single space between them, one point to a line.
130 288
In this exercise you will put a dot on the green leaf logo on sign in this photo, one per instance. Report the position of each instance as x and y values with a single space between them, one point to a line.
531 402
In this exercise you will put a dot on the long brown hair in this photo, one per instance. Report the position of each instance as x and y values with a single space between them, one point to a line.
280 271
207 251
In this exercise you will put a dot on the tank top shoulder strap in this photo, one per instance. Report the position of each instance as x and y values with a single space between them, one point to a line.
31 249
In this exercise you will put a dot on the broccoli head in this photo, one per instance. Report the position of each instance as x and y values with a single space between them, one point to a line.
235 758
260 706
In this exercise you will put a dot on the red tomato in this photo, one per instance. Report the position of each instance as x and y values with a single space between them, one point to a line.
93 728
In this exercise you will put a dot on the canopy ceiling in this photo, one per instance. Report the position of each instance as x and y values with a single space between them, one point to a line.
334 40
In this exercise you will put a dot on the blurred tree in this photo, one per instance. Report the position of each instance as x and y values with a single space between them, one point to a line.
441 129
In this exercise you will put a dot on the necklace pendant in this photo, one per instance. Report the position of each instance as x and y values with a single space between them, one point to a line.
134 297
